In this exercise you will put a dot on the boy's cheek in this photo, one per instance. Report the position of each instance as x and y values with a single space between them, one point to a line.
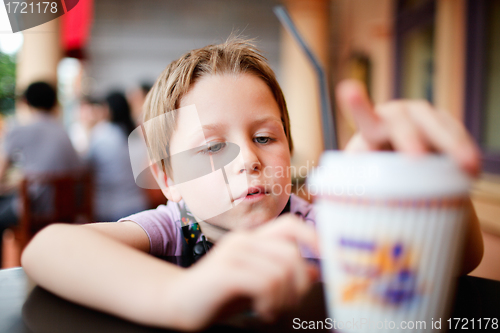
209 196
237 181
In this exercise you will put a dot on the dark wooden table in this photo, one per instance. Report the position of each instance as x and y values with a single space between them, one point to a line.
26 308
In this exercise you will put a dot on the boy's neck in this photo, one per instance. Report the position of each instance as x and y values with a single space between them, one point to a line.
212 233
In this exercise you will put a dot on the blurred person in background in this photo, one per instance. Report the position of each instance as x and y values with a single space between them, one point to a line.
89 114
115 192
136 98
40 147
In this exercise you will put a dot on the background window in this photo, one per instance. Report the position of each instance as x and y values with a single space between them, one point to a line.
482 98
491 124
415 49
418 64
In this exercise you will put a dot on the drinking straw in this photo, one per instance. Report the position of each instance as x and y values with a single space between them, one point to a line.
327 113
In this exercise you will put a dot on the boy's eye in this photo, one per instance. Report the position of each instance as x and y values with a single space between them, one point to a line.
214 148
262 139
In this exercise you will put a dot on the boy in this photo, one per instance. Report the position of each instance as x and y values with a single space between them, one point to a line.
237 101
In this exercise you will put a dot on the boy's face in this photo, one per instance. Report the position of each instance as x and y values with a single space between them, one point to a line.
241 110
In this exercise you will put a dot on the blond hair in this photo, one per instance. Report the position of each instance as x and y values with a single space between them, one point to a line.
235 56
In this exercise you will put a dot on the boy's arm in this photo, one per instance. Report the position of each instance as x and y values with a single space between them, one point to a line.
126 232
97 266
87 266
473 247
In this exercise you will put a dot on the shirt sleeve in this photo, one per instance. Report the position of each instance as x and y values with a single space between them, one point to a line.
162 225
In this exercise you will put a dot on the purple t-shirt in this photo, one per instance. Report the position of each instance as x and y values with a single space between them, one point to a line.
163 224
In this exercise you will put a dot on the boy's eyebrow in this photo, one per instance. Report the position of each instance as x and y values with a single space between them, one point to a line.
212 127
267 119
218 126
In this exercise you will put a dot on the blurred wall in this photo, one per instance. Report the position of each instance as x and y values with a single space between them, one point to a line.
39 55
450 56
132 41
300 83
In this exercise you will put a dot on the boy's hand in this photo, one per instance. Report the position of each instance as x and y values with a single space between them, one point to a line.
262 267
413 127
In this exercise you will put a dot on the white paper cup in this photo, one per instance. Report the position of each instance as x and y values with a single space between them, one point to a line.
391 232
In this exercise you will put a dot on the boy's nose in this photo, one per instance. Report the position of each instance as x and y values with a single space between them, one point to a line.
251 162
250 167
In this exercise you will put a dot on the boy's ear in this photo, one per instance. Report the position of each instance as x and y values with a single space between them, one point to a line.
166 184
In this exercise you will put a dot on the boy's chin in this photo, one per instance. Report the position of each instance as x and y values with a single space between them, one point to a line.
251 224
243 216
230 221
250 221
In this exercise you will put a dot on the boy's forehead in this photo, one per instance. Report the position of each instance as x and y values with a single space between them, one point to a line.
188 130
221 97
195 124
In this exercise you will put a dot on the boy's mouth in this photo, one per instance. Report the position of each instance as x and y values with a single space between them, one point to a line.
253 192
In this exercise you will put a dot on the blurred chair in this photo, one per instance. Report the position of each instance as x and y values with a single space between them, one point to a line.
70 201
155 198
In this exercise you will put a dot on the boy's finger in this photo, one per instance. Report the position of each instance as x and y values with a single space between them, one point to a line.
445 135
404 134
270 274
468 153
248 284
272 284
353 100
283 253
357 144
294 229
